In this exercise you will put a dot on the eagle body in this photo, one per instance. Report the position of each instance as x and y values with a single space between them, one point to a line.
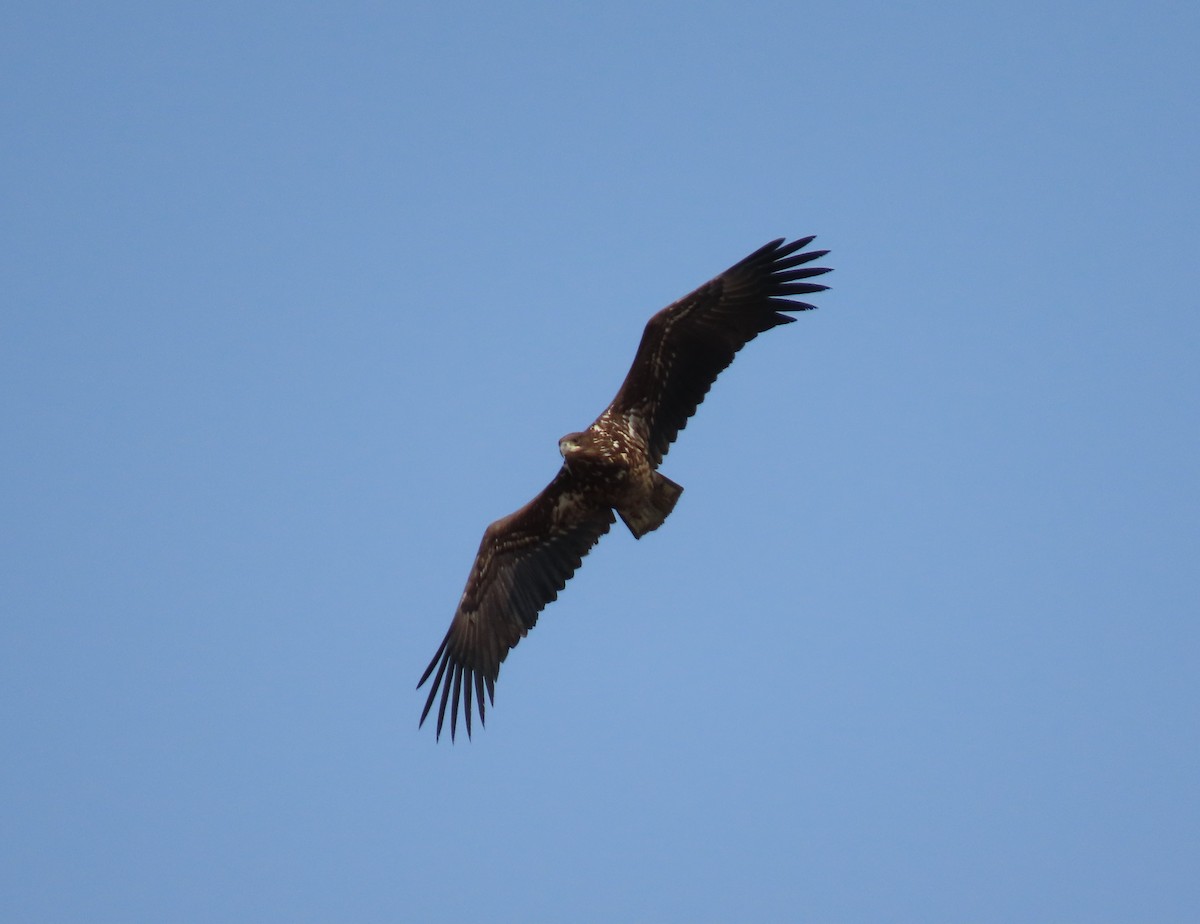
610 469
612 455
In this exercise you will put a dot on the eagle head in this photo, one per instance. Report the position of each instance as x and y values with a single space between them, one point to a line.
570 444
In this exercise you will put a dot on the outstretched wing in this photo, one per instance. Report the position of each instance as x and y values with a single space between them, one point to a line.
524 560
686 345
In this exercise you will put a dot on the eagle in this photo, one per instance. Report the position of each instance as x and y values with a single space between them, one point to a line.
610 469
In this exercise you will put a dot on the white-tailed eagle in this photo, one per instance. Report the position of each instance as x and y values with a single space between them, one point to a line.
610 469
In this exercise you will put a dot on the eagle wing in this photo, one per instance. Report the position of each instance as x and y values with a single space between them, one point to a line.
524 560
686 345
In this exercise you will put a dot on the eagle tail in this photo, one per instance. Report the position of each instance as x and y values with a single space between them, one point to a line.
652 513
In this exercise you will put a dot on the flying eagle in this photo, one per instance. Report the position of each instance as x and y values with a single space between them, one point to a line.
527 557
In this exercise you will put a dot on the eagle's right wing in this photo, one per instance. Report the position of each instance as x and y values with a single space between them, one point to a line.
524 560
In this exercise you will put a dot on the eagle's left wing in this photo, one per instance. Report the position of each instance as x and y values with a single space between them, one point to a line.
524 560
686 345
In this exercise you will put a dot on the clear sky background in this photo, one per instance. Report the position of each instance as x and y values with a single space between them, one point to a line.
298 298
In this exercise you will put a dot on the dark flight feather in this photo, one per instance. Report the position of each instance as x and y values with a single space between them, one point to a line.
526 558
688 344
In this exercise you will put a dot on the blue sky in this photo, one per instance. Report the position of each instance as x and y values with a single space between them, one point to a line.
297 299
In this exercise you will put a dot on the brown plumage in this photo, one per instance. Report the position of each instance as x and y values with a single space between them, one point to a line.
610 469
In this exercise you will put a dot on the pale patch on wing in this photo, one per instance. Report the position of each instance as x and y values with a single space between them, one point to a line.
565 507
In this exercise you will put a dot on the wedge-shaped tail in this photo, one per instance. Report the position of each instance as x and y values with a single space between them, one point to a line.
654 512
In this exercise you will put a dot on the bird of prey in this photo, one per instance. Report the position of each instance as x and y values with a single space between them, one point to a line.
610 469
